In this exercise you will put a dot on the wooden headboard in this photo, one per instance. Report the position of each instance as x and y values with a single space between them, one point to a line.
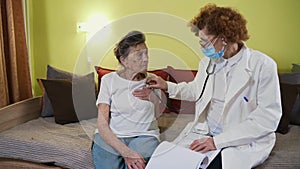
20 112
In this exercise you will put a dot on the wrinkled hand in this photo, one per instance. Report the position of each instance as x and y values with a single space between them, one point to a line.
134 160
144 93
203 144
157 83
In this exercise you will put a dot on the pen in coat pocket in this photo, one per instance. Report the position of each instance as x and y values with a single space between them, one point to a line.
246 99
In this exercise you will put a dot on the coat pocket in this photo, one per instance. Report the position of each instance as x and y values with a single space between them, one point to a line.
248 105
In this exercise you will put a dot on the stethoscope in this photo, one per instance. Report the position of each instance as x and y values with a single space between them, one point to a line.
210 69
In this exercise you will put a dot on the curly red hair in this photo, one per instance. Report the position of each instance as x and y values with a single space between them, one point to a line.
221 21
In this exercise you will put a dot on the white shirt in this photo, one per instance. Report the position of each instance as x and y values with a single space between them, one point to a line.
222 78
130 116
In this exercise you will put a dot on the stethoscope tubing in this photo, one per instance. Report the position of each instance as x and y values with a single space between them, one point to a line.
208 73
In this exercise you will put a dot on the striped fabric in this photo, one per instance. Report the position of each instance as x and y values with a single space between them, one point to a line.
43 141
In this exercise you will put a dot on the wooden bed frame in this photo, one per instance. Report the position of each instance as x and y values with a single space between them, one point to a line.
13 115
20 112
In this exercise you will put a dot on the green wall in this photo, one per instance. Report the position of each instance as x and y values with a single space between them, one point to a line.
272 25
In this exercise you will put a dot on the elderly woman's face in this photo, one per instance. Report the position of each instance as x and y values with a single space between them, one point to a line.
137 59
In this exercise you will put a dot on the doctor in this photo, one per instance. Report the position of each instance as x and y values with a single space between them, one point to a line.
241 104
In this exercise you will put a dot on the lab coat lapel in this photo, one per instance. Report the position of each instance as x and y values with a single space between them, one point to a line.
241 76
206 97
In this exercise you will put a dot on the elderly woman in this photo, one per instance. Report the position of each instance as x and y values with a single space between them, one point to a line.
241 105
127 131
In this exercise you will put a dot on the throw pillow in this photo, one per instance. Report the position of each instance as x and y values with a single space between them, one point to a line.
289 88
296 67
160 72
52 73
295 114
101 72
177 76
72 100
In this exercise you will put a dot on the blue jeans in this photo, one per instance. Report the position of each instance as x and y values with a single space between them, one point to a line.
106 157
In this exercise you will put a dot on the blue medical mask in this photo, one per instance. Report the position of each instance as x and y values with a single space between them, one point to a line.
210 52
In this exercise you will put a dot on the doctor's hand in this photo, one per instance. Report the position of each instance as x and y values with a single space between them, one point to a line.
157 83
204 145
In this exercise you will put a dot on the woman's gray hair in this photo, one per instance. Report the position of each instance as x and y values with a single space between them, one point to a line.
133 38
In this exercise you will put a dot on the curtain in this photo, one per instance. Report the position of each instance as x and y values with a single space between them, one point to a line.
15 82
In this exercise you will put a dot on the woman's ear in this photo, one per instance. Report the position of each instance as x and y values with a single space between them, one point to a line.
123 60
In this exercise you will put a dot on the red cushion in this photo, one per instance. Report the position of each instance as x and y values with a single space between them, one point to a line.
101 72
177 76
160 72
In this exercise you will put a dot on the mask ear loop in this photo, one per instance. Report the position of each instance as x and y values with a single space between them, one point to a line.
222 51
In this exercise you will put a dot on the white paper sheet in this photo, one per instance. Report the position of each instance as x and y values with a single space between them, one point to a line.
177 155
169 155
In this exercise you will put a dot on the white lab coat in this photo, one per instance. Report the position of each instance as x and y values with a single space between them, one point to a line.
248 127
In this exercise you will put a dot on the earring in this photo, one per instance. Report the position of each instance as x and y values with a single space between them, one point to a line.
223 41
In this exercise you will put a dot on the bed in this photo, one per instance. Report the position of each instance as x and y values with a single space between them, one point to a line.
69 145
24 115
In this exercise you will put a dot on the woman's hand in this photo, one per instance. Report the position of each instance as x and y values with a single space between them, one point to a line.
143 94
157 83
134 160
155 98
203 144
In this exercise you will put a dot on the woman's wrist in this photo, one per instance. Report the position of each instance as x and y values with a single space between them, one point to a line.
152 98
125 151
